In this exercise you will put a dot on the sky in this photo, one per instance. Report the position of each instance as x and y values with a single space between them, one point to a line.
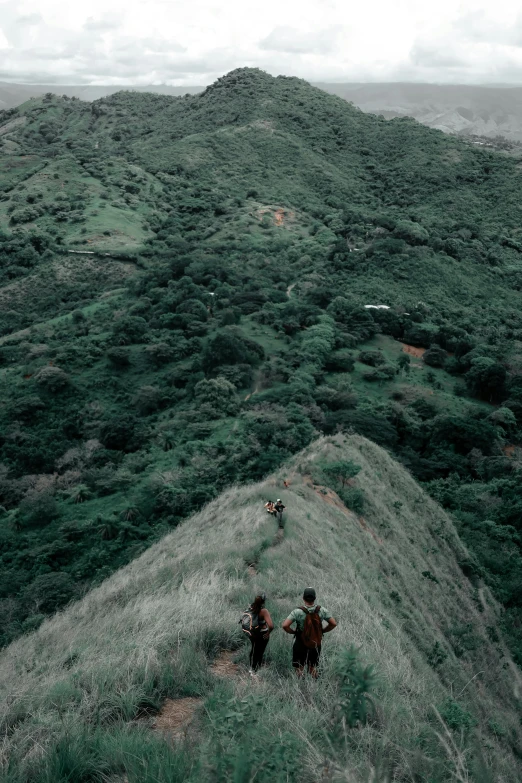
193 42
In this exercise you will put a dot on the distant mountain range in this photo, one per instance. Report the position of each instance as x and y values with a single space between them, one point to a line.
462 109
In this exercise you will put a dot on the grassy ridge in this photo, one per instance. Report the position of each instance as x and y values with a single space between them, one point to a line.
72 691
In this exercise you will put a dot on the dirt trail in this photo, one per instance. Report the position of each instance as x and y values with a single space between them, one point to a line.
224 665
176 716
290 289
254 391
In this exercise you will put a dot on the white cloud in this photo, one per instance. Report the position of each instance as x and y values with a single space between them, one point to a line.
288 39
171 41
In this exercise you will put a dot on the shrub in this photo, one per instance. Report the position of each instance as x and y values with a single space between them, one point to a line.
147 399
52 379
342 471
356 682
353 498
435 356
437 655
119 356
160 353
340 361
372 358
51 591
456 717
38 508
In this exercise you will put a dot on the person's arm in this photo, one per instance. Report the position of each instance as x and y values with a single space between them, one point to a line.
287 626
330 626
265 614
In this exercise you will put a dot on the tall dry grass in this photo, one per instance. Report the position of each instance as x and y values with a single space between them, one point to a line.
391 579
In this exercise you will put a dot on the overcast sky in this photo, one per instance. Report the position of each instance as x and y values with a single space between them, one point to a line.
195 41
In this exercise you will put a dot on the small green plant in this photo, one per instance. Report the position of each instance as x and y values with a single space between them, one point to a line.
341 472
456 717
356 682
437 655
353 498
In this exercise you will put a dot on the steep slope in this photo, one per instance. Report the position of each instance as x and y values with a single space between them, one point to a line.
195 288
447 693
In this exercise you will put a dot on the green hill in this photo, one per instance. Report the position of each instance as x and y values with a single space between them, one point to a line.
184 285
80 695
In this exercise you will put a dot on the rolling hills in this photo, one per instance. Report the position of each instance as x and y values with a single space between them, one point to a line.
185 285
80 696
479 110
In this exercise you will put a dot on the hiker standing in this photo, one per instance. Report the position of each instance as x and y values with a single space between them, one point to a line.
257 624
279 508
308 633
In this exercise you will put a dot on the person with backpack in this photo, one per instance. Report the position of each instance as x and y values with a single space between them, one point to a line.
278 509
257 624
308 633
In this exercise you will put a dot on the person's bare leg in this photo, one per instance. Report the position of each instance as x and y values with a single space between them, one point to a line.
299 670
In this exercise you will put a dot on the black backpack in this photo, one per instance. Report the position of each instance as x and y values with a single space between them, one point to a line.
250 622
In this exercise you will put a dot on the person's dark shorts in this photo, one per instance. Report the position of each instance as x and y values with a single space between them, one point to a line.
304 656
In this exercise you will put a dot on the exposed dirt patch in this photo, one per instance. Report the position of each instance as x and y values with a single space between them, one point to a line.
413 351
176 715
509 451
252 570
281 216
327 495
224 665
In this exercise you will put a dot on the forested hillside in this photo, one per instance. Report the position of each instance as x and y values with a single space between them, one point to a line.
145 680
218 320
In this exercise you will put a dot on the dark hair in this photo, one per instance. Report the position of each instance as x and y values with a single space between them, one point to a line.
258 603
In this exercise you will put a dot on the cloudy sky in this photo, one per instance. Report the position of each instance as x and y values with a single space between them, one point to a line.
195 41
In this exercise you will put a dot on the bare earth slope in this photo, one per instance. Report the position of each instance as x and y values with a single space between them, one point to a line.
78 686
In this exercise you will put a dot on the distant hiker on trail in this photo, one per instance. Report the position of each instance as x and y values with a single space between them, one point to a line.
308 633
285 482
279 508
257 624
269 505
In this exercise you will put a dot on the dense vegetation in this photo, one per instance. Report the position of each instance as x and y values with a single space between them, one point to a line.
246 229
